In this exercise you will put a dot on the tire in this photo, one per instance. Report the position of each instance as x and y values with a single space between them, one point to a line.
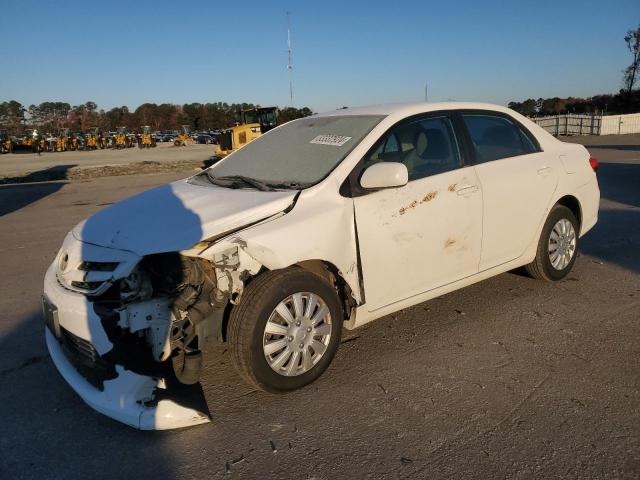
249 318
542 267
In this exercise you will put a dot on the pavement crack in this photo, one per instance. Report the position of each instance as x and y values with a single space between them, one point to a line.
519 405
29 361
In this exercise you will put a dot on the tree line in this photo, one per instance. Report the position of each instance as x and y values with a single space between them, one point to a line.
606 104
53 116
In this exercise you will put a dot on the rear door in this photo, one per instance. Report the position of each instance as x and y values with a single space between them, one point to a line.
518 180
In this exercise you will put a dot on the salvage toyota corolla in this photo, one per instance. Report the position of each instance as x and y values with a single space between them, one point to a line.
325 222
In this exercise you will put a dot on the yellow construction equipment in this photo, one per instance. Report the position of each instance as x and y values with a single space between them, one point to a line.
183 137
146 139
122 139
28 141
62 140
253 123
93 138
73 142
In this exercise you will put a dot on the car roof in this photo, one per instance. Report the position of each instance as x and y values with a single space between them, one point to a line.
407 109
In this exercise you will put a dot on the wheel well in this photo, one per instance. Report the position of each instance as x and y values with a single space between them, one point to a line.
323 269
572 204
331 274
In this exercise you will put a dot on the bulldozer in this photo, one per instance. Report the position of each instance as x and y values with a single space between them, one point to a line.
253 123
183 137
122 138
93 139
146 139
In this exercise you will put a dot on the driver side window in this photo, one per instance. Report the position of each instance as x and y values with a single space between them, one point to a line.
427 147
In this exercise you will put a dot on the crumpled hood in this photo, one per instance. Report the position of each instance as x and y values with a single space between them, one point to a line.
178 215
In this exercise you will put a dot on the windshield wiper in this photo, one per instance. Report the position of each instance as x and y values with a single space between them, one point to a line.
236 181
289 185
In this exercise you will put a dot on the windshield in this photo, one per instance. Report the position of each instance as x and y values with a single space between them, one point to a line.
301 152
249 116
268 117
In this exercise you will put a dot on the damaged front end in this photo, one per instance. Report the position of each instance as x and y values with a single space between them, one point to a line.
166 301
127 332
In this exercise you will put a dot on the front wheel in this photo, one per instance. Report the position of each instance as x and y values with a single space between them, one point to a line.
557 247
286 329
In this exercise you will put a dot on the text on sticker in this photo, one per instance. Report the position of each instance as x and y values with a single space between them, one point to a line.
335 140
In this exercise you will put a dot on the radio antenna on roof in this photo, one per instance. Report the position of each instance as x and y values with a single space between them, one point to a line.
290 58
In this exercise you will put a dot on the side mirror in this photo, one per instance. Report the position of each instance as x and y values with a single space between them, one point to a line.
385 175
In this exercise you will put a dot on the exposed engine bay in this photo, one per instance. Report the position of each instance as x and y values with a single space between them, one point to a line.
165 308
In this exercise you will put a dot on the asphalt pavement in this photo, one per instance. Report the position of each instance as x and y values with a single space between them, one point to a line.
508 378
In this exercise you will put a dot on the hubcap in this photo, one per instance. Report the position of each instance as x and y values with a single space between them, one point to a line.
297 334
562 244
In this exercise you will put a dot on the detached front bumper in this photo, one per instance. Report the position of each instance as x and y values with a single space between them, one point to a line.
130 398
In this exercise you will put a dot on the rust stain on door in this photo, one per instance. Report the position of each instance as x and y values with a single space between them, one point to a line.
427 198
449 243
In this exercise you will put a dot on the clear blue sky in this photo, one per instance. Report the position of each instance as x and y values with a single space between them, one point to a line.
345 53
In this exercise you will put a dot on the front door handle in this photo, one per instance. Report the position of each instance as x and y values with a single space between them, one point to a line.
466 190
544 171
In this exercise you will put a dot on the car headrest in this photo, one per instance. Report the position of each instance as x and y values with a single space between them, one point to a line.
431 143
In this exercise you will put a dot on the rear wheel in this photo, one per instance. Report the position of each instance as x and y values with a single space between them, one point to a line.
286 329
557 247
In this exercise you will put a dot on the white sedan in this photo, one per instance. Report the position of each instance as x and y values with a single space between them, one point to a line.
325 222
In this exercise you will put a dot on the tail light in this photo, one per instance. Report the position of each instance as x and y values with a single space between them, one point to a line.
593 161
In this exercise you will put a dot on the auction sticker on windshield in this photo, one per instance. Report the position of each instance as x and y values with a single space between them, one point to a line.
335 140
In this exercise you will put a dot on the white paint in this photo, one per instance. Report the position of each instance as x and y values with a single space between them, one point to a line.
515 193
176 216
417 241
121 397
418 237
385 175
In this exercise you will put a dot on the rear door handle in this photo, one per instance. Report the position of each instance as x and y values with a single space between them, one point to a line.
465 190
544 171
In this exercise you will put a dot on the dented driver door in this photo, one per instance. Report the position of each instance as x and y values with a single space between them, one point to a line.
419 237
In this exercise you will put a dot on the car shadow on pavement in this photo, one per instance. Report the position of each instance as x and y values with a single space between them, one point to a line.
616 236
615 239
19 191
620 182
50 433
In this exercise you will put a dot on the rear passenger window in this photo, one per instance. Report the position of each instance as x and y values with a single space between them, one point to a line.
426 147
496 137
